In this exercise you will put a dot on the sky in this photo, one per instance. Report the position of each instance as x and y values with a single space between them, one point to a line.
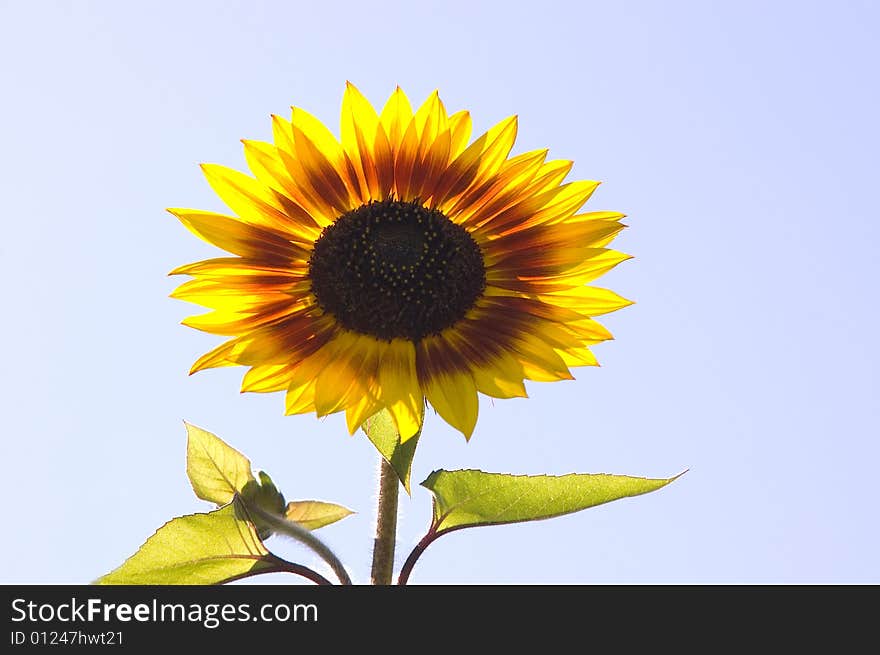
740 139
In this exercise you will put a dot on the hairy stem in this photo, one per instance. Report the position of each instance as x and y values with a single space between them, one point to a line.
386 526
296 531
414 556
304 571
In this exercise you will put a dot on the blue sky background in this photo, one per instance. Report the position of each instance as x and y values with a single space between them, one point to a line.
741 139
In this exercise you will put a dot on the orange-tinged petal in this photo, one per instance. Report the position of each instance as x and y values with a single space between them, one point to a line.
597 261
266 164
548 238
432 157
338 165
365 142
303 192
479 160
223 267
431 167
545 262
551 206
499 192
405 160
240 238
243 285
228 322
515 309
323 169
294 337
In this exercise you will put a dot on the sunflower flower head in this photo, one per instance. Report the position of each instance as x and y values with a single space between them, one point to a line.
400 264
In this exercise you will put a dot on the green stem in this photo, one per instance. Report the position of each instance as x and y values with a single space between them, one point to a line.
386 526
296 531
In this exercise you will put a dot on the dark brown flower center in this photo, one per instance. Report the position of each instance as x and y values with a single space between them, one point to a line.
396 269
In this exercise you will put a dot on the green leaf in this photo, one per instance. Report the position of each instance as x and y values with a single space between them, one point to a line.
380 429
314 514
216 470
211 548
472 498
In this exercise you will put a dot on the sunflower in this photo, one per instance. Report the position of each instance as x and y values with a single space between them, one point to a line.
399 264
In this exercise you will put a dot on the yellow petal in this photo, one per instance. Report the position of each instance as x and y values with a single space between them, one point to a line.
268 378
399 386
460 126
590 331
395 118
356 414
350 375
549 176
430 121
581 357
249 199
591 301
540 362
503 378
219 356
454 396
407 423
300 398
599 262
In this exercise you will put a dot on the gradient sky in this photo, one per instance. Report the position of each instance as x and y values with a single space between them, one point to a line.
741 139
